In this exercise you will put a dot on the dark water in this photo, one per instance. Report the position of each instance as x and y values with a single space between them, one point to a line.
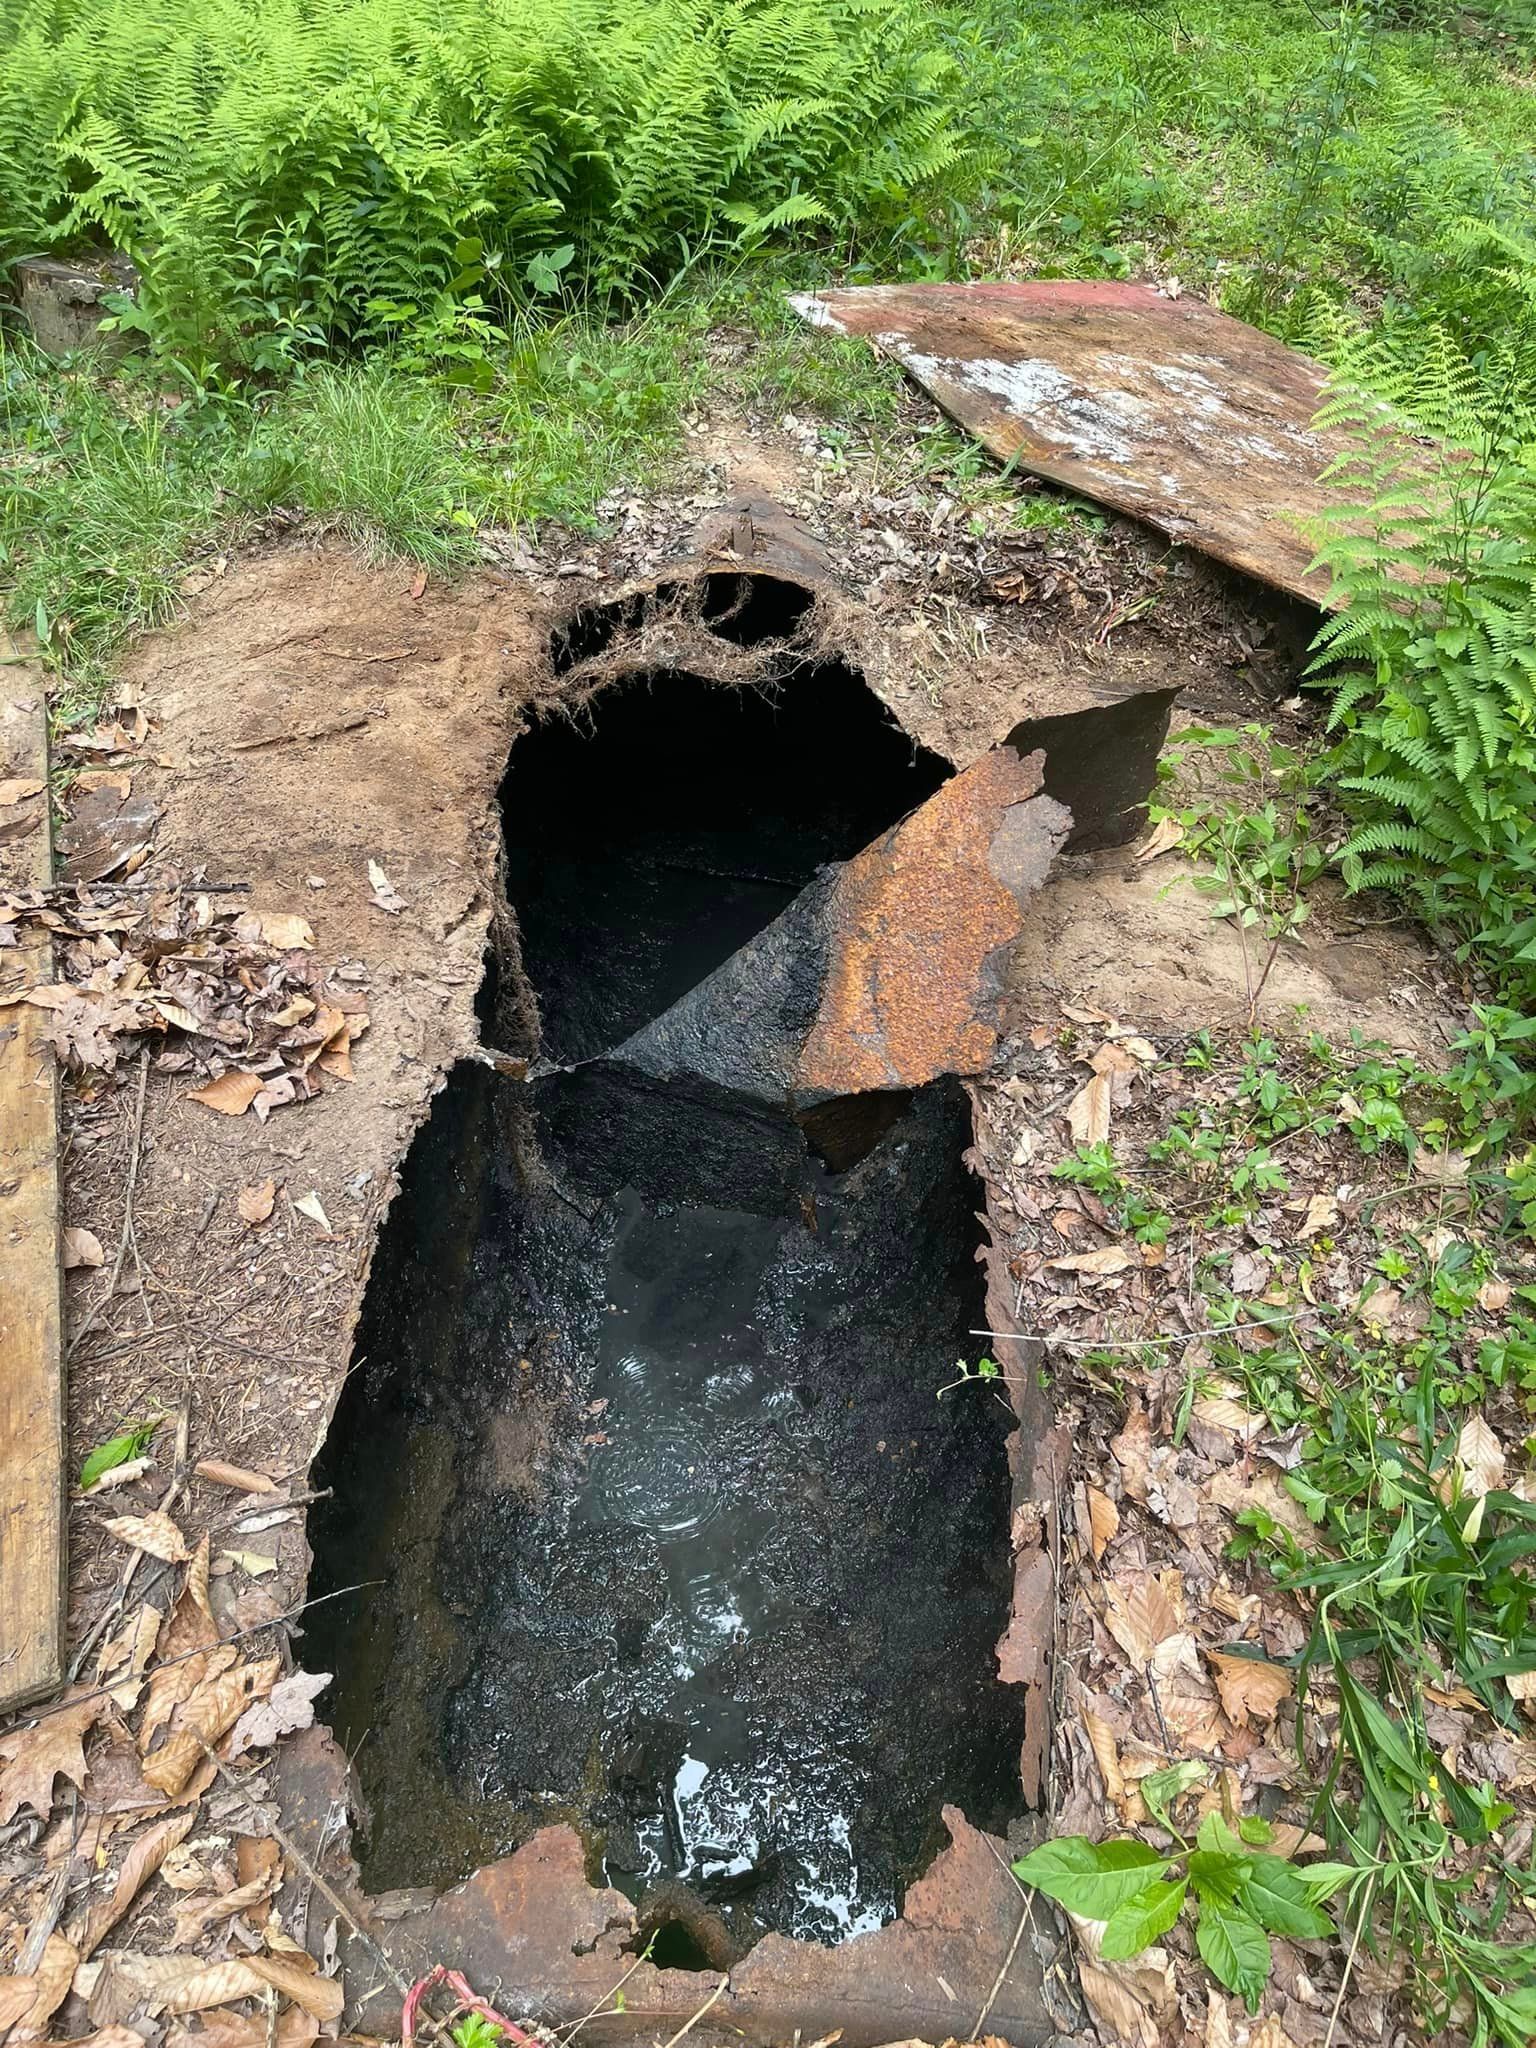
674 1540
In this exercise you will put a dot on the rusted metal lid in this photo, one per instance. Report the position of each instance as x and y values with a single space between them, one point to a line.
1161 407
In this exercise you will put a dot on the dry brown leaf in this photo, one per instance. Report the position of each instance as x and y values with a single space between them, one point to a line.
195 1918
1142 1611
229 2030
144 1858
1109 1258
213 1984
286 930
321 1996
238 1477
19 789
51 1748
51 1981
1322 1214
257 1856
231 1095
289 1706
1103 1521
382 891
1228 1489
1249 1688
1218 2022
255 1204
18 1995
1105 1752
1480 1456
309 1205
1164 836
1132 1451
203 1718
155 1534
1441 1169
172 1683
1220 1411
1088 1112
1493 1296
1185 1695
82 1248
124 1659
108 2037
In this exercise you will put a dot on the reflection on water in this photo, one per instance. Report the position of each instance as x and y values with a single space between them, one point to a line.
684 1376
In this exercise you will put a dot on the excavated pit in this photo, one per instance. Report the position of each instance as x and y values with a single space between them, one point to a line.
660 1527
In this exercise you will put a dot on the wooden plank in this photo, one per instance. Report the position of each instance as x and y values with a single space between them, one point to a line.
33 1493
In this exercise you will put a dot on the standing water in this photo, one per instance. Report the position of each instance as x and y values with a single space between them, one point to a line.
668 1534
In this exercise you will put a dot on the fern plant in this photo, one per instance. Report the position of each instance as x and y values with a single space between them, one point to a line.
1433 646
284 171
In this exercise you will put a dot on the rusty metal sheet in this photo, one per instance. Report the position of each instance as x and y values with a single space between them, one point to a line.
885 972
1163 408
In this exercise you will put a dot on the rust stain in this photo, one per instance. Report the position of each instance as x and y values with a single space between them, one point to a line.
918 924
1163 408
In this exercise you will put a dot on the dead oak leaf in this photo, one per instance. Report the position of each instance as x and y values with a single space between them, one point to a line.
1088 1112
50 1983
139 1866
205 1717
1103 1521
231 1094
255 1204
81 1248
1322 1214
155 1534
1107 1259
1142 1610
287 931
51 1748
1250 1688
289 1706
1479 1457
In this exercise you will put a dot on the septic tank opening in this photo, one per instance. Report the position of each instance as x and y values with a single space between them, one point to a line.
660 1526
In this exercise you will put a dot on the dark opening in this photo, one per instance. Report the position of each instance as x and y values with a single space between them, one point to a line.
677 1543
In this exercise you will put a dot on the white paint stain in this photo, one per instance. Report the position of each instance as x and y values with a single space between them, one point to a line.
816 311
1100 423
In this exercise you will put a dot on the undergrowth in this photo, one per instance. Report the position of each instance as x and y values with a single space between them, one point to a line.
1379 1349
296 176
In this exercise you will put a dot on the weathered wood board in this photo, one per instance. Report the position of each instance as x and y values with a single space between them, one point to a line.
32 1475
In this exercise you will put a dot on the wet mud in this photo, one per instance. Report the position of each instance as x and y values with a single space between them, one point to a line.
661 1525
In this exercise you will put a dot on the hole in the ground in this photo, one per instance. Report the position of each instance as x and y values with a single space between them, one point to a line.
661 1527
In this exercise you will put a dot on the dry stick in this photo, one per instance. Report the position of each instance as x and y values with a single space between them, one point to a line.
127 1230
1349 1962
1025 1918
598 2009
689 2024
322 1885
238 1635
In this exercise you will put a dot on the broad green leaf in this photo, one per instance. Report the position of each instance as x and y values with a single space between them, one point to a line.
1090 1878
1322 1880
1214 1834
1252 1828
1235 1949
1140 1921
1162 1789
1277 1898
108 1456
1215 1876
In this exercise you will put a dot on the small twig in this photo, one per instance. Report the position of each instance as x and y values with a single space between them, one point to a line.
321 1884
601 2005
289 739
90 1322
1129 1343
1158 1709
1025 1918
689 2024
1349 1961
164 1663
